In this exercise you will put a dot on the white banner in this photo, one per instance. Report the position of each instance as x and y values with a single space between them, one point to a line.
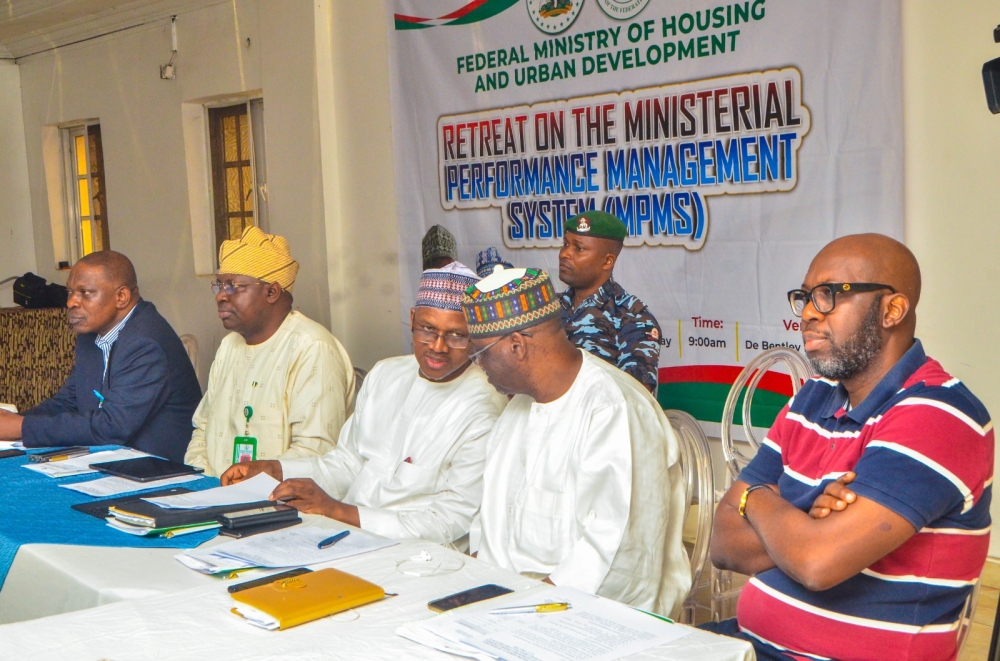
734 139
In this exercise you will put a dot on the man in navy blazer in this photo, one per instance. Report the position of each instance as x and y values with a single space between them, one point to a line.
132 382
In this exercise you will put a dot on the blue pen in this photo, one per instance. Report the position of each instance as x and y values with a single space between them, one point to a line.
330 541
100 399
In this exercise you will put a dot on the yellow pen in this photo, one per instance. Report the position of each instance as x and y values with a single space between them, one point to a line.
534 608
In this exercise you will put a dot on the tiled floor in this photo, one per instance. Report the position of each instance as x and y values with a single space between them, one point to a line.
977 646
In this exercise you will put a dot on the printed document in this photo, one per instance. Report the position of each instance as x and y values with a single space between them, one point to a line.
256 489
112 486
292 547
80 465
593 629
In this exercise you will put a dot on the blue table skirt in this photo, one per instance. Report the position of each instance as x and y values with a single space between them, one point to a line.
35 510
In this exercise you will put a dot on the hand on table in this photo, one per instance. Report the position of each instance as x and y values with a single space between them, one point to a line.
835 497
306 496
10 425
247 469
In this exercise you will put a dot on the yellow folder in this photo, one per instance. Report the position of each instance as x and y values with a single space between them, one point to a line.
308 597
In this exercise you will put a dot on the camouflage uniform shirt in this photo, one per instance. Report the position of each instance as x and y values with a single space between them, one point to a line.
616 326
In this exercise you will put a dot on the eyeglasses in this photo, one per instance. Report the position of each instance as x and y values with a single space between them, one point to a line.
477 355
230 287
452 340
824 297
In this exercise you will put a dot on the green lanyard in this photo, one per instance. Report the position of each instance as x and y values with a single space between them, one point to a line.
245 447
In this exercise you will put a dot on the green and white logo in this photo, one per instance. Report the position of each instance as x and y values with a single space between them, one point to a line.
622 9
554 16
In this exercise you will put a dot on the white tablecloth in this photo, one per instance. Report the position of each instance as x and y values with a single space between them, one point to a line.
166 611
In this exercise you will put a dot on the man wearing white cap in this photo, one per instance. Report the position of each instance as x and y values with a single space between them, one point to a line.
583 485
409 462
281 385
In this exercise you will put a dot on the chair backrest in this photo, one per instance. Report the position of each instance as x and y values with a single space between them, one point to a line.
190 343
699 477
967 613
798 370
359 377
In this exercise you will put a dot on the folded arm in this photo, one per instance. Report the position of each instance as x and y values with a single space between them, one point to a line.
735 543
822 553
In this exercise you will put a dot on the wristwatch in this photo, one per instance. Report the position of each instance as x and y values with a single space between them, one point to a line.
743 498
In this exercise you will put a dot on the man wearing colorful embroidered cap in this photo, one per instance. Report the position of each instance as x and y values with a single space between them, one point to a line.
601 317
883 567
281 385
438 248
409 461
583 485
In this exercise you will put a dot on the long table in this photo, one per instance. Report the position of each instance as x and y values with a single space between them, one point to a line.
189 618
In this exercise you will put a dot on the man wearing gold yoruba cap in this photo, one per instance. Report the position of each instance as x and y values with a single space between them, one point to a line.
281 385
583 485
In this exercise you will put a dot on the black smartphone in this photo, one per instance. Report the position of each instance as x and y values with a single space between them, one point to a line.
11 453
466 597
246 585
258 515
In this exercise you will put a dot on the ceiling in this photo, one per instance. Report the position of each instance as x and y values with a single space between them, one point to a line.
30 26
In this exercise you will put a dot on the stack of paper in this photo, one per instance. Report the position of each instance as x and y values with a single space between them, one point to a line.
80 465
293 547
592 629
112 486
182 514
145 531
256 489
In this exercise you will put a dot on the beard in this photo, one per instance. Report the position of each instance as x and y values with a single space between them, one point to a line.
857 352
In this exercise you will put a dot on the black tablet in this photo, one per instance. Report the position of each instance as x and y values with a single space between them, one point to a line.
145 469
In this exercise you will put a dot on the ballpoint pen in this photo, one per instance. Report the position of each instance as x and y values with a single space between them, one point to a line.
533 608
330 541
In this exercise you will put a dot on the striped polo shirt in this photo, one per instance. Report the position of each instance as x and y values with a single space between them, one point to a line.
922 446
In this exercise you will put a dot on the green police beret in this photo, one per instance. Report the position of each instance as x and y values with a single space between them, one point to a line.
598 224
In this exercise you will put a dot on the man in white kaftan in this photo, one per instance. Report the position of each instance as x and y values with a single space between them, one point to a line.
409 462
583 485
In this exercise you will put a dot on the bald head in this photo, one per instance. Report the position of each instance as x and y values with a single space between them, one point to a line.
118 269
872 258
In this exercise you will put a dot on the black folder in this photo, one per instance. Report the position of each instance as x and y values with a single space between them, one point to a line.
160 517
99 508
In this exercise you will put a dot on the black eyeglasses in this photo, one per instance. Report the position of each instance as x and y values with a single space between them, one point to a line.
824 297
428 336
230 287
476 355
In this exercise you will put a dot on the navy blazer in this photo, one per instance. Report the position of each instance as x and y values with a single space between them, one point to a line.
150 393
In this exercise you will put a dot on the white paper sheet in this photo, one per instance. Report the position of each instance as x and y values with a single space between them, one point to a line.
257 488
11 445
8 407
81 465
292 547
112 486
593 629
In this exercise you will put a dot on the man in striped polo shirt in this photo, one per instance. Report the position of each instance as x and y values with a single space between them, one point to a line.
883 569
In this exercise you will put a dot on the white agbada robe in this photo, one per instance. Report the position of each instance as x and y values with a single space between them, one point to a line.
587 490
411 457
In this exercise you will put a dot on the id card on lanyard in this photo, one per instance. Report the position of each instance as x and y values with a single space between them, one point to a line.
245 447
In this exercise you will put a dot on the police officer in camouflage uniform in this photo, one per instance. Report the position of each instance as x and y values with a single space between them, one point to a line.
600 317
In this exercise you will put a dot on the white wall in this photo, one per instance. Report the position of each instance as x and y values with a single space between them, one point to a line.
17 246
356 139
953 190
116 79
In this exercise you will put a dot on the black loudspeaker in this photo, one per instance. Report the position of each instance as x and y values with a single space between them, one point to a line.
991 80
